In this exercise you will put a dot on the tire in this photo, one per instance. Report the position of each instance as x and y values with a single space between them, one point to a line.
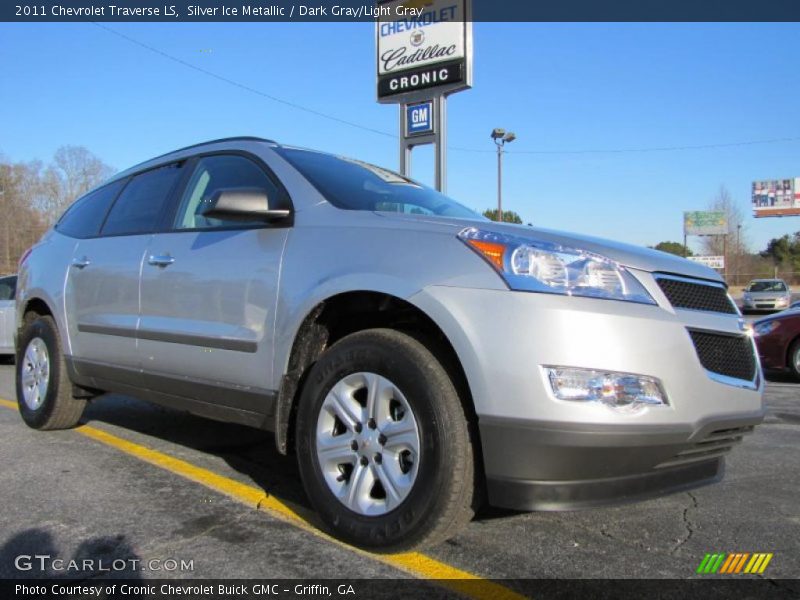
793 361
430 491
49 404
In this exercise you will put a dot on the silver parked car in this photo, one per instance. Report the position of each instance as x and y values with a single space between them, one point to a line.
409 352
766 294
8 287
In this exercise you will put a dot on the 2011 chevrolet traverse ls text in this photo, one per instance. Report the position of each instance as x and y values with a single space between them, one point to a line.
417 358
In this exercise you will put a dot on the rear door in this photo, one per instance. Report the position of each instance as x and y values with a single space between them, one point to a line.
209 290
102 290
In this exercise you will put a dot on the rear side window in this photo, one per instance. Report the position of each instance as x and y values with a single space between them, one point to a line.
8 288
84 218
138 208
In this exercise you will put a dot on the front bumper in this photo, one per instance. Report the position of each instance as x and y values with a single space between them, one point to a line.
545 453
530 467
772 304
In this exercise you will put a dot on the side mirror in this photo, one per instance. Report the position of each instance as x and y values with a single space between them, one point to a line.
243 204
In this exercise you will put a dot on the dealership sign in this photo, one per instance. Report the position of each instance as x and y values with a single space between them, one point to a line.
705 223
776 198
424 47
715 262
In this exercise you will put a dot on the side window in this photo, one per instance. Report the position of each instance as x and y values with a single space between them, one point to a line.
84 217
214 173
138 208
8 288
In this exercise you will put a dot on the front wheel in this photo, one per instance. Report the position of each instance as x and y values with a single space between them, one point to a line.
383 443
44 391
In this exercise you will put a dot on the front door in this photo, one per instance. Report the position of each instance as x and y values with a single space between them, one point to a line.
209 291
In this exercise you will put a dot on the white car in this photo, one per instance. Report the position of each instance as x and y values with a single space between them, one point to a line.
766 294
8 288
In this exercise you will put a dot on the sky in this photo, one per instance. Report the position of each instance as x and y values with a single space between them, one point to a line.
564 89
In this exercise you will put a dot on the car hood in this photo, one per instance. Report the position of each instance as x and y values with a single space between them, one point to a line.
635 257
791 313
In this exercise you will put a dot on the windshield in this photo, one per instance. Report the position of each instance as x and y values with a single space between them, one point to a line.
767 286
355 185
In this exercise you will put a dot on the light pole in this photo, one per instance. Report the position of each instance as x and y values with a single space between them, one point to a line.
500 138
738 253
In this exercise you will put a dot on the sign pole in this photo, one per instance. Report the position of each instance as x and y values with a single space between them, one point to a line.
440 143
405 149
725 255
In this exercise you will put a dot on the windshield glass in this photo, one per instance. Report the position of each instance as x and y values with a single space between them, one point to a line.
767 286
355 185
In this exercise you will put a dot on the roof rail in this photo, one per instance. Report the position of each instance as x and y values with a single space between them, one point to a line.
243 138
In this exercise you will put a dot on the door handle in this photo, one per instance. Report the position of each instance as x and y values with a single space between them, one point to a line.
163 260
80 263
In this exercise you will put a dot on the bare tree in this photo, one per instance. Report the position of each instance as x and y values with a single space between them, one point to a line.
735 246
22 225
33 196
74 171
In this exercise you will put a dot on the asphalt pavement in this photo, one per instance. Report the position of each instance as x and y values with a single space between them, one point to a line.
74 496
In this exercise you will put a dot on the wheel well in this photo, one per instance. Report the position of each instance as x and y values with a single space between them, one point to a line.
347 313
38 307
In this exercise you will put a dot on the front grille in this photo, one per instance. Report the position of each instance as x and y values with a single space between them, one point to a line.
728 355
714 445
696 296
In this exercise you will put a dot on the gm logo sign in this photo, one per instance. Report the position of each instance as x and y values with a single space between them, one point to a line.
419 118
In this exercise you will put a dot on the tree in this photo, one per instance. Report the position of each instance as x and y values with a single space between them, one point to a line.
673 248
21 225
509 216
33 196
784 252
74 171
735 246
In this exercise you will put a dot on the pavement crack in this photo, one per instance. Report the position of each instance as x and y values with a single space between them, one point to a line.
687 523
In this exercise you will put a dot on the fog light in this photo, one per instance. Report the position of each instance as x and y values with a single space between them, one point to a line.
617 390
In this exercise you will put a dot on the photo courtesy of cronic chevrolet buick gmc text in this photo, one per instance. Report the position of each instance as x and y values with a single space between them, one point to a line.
417 358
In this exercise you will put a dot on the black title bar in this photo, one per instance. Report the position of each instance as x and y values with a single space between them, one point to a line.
365 11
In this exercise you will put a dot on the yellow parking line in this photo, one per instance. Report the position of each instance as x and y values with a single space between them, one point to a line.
414 563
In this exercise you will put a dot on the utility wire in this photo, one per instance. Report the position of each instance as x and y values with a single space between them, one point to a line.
242 86
381 132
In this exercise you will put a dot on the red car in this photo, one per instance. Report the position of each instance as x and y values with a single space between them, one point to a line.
778 341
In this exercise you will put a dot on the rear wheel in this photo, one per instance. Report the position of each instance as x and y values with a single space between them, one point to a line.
383 443
44 392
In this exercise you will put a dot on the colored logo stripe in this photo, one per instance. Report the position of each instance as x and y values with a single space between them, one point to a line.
734 563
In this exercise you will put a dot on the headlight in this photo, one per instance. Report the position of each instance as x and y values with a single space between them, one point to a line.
782 301
766 327
535 266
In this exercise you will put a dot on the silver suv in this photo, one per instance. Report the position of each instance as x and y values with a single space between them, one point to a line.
417 358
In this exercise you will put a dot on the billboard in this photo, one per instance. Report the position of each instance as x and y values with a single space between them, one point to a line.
715 262
776 197
701 222
424 47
